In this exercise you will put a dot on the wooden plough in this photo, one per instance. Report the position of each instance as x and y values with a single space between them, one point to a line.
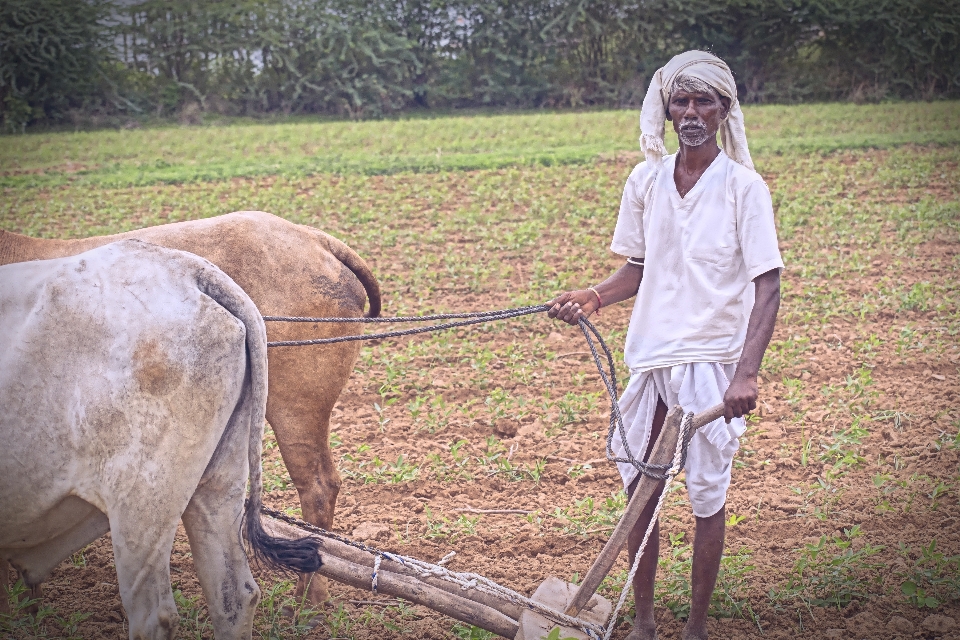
577 609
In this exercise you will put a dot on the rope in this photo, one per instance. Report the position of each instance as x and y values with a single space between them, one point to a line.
608 376
466 581
395 319
476 318
664 472
679 460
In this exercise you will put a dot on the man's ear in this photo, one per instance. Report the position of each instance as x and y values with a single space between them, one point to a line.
669 117
725 101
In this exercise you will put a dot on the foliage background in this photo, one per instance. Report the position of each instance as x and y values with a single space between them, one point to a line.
63 60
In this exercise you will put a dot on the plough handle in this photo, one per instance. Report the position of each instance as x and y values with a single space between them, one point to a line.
662 454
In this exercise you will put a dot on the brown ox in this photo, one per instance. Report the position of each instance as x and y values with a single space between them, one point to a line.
286 269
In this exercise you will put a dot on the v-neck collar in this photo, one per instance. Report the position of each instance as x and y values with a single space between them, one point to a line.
697 185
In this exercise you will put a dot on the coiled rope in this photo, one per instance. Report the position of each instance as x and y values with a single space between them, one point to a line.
467 581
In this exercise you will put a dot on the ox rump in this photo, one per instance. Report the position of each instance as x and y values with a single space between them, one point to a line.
133 381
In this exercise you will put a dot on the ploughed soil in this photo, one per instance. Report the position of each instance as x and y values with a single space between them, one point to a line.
899 490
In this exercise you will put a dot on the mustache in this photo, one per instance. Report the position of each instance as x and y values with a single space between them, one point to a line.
693 125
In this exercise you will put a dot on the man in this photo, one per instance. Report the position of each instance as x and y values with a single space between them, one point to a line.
698 232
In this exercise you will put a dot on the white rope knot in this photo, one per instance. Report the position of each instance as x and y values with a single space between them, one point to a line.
376 571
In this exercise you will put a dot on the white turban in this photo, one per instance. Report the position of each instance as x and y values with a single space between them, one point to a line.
710 69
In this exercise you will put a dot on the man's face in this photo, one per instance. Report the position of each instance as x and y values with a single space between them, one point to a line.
697 116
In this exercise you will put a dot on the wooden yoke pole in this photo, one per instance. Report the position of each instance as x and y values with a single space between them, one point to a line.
662 454
354 567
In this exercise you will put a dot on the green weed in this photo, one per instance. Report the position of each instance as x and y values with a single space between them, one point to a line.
574 407
586 515
898 418
380 471
843 448
442 528
495 460
40 624
283 617
734 520
194 622
933 579
457 468
729 599
470 632
794 390
388 618
275 476
832 572
337 623
79 559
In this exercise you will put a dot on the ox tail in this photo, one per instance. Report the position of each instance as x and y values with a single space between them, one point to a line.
300 555
356 264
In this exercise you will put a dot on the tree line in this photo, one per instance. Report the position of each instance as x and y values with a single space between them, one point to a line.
368 58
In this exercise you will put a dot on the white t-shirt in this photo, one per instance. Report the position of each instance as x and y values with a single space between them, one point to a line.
701 253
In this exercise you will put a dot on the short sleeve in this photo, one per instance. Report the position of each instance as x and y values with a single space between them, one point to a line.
628 240
757 230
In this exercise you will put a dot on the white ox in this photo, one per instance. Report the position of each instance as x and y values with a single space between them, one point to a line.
133 387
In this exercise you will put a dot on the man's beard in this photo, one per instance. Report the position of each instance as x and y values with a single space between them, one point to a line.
693 133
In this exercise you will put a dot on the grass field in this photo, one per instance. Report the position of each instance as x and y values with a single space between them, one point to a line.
150 156
845 504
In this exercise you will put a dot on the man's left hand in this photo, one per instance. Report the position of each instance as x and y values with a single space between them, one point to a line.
740 398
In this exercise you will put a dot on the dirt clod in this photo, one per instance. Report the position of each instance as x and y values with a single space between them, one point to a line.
899 626
506 428
938 624
371 531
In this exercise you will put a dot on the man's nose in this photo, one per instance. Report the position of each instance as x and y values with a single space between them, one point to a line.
691 111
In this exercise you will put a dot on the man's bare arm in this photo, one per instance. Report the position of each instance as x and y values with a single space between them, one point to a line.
573 305
741 396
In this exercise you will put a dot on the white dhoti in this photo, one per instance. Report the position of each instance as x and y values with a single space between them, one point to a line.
695 387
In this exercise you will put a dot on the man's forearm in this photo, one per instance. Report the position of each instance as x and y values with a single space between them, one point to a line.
763 319
622 285
741 395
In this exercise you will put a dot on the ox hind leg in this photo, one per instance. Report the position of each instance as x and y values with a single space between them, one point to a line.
213 521
142 541
304 386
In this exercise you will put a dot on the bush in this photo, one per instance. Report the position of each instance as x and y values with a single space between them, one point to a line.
50 55
371 58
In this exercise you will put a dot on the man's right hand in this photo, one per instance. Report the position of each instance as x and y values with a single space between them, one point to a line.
573 305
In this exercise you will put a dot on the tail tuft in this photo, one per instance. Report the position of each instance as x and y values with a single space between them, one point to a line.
301 555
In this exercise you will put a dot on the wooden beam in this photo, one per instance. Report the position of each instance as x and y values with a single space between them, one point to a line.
354 567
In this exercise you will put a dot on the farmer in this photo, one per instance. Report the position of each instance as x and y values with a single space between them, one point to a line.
698 233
